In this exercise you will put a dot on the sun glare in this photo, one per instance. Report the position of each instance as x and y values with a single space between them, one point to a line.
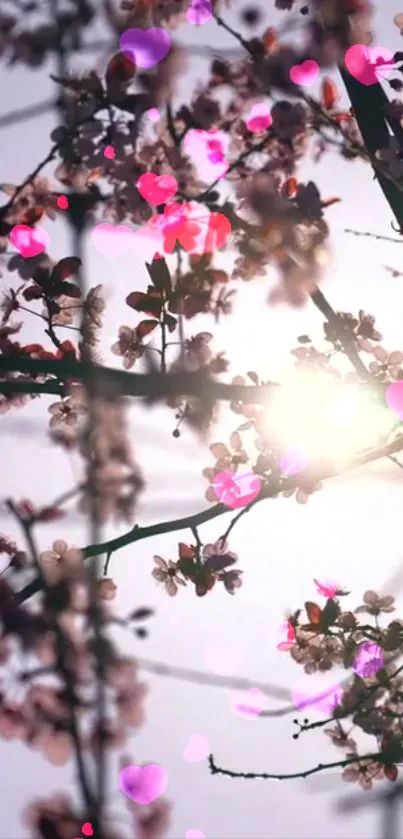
325 419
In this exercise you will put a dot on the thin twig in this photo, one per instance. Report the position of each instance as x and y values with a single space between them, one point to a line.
229 773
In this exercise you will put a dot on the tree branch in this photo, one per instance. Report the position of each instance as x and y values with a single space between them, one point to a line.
137 533
218 770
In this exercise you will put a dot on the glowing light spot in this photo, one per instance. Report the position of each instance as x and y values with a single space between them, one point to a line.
109 152
153 114
197 748
62 202
394 398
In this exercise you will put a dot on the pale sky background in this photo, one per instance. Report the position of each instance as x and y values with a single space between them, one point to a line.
350 531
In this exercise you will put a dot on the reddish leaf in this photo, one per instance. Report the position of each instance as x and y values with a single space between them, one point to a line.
33 349
270 41
32 216
186 551
50 514
145 327
66 349
390 772
289 187
329 201
330 94
120 70
204 582
159 274
150 303
65 268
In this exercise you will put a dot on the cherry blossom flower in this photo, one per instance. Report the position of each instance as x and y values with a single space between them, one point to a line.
60 559
389 364
65 412
107 588
369 660
340 739
168 574
288 633
217 556
328 589
364 772
128 345
374 604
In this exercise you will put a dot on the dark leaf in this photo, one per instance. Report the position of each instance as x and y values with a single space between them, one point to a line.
304 339
254 377
65 268
145 327
141 614
120 70
170 322
33 292
141 632
69 289
204 582
218 562
159 274
151 304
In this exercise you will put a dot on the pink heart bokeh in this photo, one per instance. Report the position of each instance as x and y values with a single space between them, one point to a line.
29 241
143 784
111 240
313 695
259 118
157 189
115 240
145 47
236 490
369 65
253 704
197 748
305 74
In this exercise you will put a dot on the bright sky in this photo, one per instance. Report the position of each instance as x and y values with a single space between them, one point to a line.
350 531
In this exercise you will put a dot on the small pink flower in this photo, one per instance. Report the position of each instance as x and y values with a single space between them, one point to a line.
259 118
369 660
288 633
207 150
327 589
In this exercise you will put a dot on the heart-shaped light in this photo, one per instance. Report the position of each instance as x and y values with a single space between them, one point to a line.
29 241
157 189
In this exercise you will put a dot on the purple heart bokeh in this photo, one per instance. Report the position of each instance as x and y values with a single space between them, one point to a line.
143 784
145 47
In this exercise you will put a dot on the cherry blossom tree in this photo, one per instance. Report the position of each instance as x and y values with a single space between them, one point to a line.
210 173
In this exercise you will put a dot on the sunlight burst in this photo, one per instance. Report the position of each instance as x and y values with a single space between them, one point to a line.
327 419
